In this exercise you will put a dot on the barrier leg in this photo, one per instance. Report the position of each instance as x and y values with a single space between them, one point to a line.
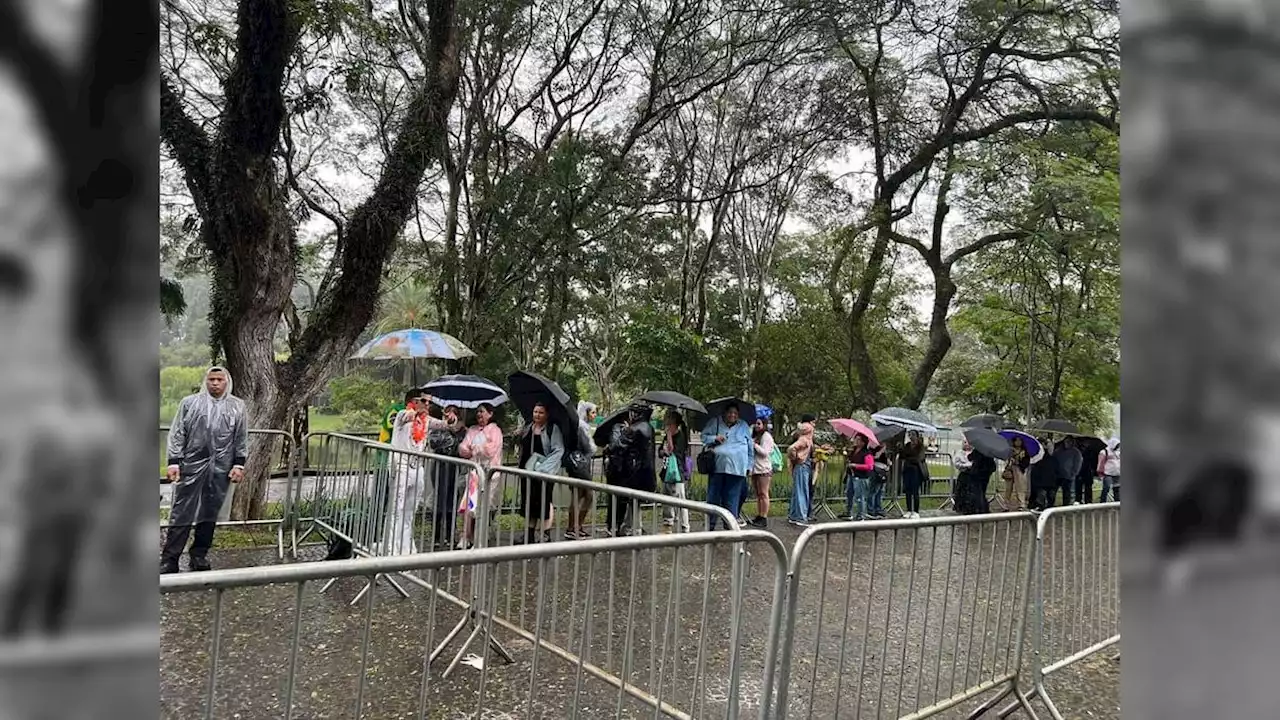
369 585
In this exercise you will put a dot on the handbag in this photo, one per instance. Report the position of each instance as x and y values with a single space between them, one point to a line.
671 474
1007 473
707 458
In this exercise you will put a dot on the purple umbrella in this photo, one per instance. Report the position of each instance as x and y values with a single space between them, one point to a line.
1030 443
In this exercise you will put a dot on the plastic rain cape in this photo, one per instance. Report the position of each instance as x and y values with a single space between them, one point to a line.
207 438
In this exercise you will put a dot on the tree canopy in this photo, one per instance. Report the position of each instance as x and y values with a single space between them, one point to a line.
827 206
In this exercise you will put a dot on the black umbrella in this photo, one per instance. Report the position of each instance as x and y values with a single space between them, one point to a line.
527 389
1090 448
465 391
669 398
990 421
989 443
888 433
604 432
717 409
1055 425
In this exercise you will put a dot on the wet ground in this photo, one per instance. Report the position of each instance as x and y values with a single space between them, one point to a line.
947 597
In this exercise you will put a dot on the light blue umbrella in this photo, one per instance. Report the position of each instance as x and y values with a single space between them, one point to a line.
412 344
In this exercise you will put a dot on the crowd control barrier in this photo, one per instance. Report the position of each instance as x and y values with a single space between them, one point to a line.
678 654
905 618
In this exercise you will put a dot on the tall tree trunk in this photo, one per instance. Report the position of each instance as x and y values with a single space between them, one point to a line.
939 337
872 397
251 240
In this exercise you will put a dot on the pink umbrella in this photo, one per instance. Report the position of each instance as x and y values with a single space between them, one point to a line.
849 428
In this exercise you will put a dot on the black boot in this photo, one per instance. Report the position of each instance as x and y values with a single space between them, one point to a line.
200 564
169 567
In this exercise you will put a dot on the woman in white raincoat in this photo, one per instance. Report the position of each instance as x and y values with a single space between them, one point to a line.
207 449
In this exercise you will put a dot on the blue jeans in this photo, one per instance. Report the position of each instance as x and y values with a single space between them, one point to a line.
1110 487
875 499
724 491
857 493
799 506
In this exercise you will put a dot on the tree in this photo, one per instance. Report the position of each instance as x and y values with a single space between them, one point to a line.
969 74
240 172
1043 316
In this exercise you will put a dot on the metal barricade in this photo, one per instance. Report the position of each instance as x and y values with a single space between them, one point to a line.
596 508
1076 590
280 480
386 501
930 616
942 471
252 642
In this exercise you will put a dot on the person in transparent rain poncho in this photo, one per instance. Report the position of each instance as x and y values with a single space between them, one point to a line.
207 448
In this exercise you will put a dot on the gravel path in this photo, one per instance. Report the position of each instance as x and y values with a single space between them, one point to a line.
956 611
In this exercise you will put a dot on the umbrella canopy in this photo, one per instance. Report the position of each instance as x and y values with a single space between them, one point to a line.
746 410
527 389
672 399
990 421
603 432
413 343
465 391
763 412
1055 425
1031 445
849 428
888 433
904 417
989 442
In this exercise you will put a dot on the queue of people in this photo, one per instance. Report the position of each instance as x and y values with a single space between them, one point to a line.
739 459
207 452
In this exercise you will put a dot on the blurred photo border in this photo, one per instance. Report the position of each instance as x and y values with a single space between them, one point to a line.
1200 144
79 298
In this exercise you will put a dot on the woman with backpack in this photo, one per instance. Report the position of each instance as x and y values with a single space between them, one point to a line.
1109 470
767 460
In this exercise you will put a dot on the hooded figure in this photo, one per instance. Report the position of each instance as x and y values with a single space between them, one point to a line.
207 449
630 463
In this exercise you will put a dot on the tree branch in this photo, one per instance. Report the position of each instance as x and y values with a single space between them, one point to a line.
267 37
186 140
983 242
346 305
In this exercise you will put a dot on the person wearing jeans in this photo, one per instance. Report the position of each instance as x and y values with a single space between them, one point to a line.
859 465
801 456
1109 469
729 438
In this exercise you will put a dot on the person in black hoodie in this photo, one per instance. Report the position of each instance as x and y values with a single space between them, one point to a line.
630 465
1044 479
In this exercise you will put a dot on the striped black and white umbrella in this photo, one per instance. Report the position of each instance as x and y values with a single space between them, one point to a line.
904 417
465 391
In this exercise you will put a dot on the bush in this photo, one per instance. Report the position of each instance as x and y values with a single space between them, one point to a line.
361 400
177 382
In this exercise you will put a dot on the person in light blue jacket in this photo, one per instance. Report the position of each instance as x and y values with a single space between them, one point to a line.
730 437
